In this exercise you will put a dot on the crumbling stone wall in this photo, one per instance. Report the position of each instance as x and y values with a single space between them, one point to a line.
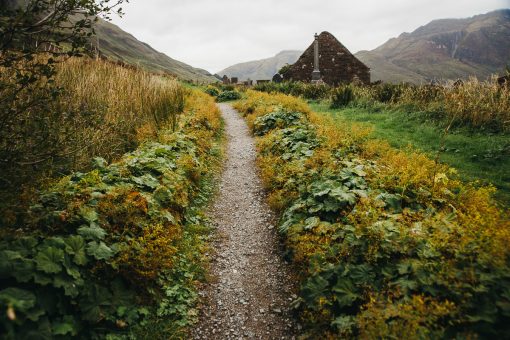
336 63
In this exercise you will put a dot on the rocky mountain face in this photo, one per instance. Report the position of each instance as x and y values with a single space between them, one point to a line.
261 69
444 49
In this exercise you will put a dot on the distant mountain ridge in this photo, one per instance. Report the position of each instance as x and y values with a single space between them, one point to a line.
443 49
116 44
261 69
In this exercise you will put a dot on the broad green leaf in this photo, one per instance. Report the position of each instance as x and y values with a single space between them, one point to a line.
71 269
26 245
93 297
392 202
70 286
99 163
23 269
19 299
99 250
88 214
345 292
93 232
344 323
147 181
163 196
42 279
315 288
362 273
406 284
49 260
64 328
311 223
13 264
342 196
75 245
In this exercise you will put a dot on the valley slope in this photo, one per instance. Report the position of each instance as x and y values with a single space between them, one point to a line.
116 44
261 69
444 49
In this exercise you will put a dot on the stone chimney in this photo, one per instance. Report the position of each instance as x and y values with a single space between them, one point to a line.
316 74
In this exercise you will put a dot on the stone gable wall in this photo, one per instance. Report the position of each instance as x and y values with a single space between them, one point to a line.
336 63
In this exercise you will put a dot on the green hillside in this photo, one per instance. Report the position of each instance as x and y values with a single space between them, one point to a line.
116 44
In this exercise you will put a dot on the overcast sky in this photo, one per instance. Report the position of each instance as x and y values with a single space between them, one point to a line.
215 34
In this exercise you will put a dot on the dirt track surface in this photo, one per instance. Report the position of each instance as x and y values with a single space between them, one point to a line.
251 288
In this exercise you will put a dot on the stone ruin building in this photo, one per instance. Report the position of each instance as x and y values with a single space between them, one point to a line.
328 61
235 81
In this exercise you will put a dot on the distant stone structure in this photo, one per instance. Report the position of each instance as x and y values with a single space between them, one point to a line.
328 61
277 78
235 81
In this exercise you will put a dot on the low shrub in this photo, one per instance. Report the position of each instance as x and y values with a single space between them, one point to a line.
228 96
341 97
316 91
277 119
111 252
388 242
212 91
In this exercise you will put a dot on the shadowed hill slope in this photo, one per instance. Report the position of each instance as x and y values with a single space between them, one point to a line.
117 44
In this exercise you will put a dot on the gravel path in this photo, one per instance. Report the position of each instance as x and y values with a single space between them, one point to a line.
250 289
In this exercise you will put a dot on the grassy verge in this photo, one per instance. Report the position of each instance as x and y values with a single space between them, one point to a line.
480 156
116 252
390 244
476 104
99 110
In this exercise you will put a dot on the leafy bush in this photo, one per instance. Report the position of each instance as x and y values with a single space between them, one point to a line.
316 91
386 93
307 91
228 95
212 91
388 242
109 251
341 97
278 119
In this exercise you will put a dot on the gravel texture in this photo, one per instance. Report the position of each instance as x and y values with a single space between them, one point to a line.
251 286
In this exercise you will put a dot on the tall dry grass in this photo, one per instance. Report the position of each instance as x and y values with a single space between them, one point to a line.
102 109
479 104
475 103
